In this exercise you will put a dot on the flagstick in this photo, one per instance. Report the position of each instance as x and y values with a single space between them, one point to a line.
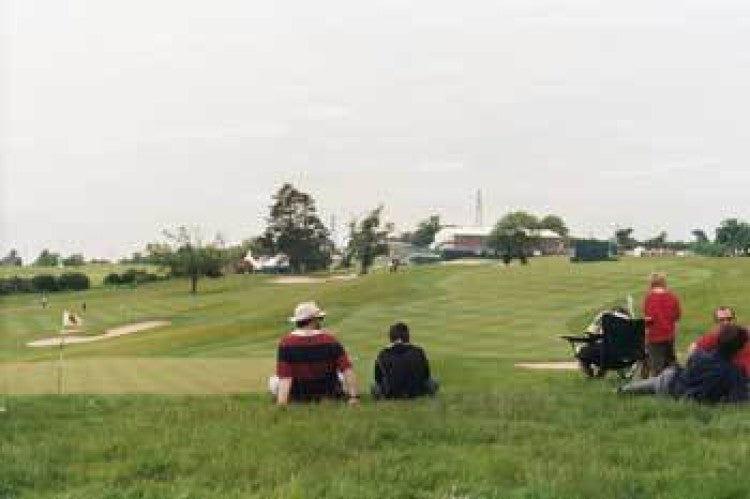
60 367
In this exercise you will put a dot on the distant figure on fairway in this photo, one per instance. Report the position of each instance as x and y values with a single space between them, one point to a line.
44 301
394 264
402 369
83 306
709 341
661 310
311 364
709 377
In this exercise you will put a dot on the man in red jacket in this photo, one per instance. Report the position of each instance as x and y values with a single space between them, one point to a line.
708 342
661 309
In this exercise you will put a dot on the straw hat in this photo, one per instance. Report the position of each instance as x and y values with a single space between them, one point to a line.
307 310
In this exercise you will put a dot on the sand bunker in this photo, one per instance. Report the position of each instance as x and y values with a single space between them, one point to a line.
555 366
300 279
466 261
109 333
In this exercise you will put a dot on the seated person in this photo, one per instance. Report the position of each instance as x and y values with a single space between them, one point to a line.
401 369
589 354
311 363
707 342
709 377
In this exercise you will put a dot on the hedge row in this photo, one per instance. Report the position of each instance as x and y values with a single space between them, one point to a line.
69 281
130 276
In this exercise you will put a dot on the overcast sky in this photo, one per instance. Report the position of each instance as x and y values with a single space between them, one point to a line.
121 118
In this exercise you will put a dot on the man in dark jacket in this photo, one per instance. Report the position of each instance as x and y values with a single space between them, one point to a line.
708 377
402 369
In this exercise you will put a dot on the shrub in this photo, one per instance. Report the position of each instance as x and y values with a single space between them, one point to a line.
75 281
44 282
128 277
149 277
15 285
112 279
75 260
213 273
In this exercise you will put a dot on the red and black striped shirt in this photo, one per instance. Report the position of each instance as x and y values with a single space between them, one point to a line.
312 359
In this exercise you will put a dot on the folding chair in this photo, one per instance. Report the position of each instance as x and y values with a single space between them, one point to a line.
620 346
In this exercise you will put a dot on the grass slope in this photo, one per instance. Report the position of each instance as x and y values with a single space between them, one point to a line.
495 431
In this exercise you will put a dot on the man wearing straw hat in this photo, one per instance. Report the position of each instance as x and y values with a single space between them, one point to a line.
311 364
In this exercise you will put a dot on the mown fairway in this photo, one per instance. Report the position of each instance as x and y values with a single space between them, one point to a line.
179 411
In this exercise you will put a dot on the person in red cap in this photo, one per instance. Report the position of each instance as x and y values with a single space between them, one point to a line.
311 364
661 309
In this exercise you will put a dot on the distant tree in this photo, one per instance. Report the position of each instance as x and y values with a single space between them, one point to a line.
367 240
405 237
508 242
734 235
295 229
262 245
12 259
555 224
513 234
624 238
709 249
74 260
155 254
135 258
659 241
426 230
519 220
47 259
188 256
700 236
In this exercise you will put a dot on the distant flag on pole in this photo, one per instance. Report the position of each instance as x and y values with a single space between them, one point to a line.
70 321
630 306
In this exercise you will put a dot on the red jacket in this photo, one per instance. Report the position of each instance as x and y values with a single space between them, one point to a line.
662 311
709 341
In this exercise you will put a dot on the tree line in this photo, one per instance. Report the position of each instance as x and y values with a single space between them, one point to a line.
731 238
41 283
294 228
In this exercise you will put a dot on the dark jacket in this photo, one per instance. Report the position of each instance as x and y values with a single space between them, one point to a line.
402 371
710 378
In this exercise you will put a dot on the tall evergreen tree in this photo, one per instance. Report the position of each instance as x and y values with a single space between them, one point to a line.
295 229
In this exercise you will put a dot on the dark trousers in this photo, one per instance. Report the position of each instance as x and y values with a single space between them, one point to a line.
659 356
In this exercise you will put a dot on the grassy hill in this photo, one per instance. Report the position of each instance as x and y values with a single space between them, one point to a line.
208 430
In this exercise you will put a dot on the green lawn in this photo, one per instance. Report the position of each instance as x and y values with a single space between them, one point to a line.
180 411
